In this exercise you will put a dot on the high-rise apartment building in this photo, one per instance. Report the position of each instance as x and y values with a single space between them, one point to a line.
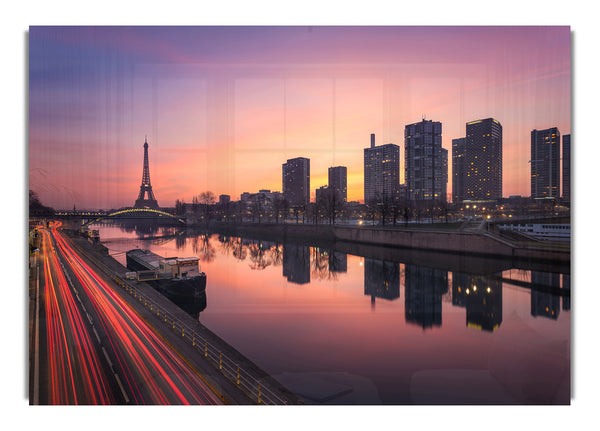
483 160
295 180
338 181
458 169
425 161
545 163
566 167
382 171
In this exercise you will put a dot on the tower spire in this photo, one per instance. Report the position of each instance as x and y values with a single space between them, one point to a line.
146 189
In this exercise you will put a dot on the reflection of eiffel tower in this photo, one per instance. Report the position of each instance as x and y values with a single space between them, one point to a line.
146 188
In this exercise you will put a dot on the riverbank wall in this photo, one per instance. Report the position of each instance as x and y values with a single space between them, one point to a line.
453 241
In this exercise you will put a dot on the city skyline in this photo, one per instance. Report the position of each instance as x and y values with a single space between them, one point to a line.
223 107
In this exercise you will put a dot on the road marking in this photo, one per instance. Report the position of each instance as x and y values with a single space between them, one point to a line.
122 388
97 336
89 318
108 359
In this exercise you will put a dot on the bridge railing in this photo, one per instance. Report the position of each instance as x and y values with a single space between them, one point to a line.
229 368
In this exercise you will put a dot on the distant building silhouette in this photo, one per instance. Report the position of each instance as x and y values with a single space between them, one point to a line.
458 169
425 161
321 193
566 167
338 181
296 181
483 160
381 171
545 163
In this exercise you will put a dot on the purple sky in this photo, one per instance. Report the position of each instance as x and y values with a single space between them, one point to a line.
224 107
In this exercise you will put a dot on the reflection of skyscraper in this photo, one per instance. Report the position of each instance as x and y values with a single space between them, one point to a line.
484 304
296 263
566 300
423 291
542 303
382 279
482 297
460 282
296 181
338 261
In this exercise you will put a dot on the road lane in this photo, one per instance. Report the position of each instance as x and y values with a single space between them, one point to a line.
74 371
142 365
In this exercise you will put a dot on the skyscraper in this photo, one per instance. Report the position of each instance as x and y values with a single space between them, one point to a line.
566 167
425 161
338 181
458 169
483 160
545 163
382 171
296 181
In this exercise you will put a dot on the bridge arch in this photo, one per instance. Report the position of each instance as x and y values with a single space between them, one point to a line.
133 212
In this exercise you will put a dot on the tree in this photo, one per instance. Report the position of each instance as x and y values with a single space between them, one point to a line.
381 204
179 207
371 209
257 209
331 203
36 207
444 209
206 200
280 206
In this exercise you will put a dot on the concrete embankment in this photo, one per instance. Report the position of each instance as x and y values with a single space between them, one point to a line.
472 243
237 379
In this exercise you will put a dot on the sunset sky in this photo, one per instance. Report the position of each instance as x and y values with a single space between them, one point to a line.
224 107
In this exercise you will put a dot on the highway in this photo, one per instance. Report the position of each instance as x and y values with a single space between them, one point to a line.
92 348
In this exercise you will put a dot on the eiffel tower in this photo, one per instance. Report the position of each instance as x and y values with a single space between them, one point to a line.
146 188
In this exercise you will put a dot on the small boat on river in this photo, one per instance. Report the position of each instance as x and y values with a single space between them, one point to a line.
177 277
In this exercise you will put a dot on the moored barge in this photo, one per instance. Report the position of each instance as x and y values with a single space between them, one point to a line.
177 277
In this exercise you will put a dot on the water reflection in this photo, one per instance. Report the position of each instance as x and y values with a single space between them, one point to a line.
545 304
423 291
296 263
482 298
382 279
192 306
445 328
425 288
147 230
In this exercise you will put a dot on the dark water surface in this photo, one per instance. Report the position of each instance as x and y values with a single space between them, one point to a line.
340 328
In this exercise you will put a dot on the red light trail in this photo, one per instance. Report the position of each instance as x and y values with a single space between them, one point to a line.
145 368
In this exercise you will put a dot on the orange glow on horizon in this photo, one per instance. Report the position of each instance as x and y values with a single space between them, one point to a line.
224 124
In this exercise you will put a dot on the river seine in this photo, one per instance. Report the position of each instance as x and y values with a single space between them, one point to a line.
359 325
